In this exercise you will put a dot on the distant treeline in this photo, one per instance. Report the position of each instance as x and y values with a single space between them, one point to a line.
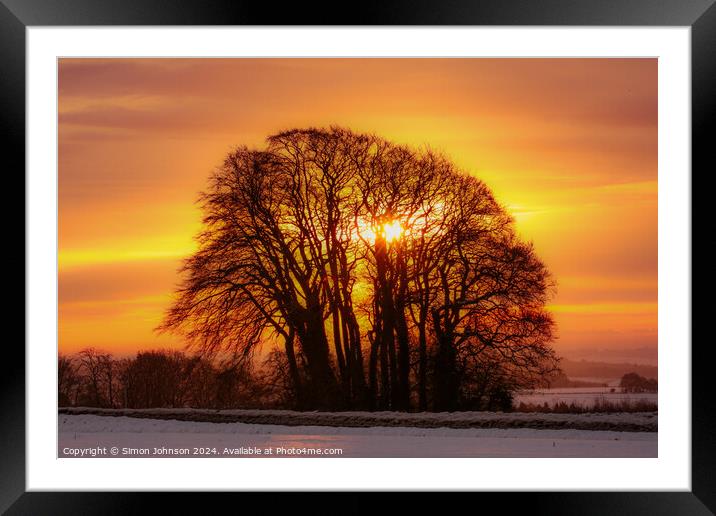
171 379
561 380
160 379
632 382
586 368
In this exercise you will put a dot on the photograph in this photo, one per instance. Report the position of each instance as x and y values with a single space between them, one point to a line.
384 257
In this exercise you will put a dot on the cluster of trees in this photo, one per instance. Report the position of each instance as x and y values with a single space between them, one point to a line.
380 276
160 378
633 382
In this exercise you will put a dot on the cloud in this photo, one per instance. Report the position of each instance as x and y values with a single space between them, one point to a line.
569 144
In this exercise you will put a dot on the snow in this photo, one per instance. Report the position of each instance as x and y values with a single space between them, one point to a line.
583 396
87 434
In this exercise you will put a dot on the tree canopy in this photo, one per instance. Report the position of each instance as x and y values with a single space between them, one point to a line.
384 277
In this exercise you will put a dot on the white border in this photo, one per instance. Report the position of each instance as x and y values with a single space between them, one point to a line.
670 471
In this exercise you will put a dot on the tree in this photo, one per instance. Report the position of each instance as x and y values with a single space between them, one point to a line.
68 381
157 379
350 255
633 382
98 370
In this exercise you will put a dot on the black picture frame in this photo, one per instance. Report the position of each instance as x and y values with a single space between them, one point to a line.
700 15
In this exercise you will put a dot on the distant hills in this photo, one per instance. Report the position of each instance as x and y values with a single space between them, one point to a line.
589 369
641 355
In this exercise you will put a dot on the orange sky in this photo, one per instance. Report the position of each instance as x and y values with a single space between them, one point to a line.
569 146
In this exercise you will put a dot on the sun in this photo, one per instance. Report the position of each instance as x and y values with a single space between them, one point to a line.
388 231
392 230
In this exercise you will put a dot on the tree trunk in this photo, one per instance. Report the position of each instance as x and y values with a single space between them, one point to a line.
422 363
403 394
324 392
373 374
293 369
401 329
385 327
446 385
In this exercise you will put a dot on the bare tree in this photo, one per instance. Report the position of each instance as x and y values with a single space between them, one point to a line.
97 368
68 380
157 379
334 246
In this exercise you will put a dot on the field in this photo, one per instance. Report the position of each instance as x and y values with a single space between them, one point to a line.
190 432
586 398
592 431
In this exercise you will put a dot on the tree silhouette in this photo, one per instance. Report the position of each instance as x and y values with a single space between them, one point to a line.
387 278
100 370
68 381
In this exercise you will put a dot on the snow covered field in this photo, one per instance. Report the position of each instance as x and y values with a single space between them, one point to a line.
582 396
88 435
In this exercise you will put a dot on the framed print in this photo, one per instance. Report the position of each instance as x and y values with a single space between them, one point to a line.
446 249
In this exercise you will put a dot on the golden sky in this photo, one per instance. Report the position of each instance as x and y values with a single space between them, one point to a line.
569 146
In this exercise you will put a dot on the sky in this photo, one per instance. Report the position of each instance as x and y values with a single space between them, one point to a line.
568 146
